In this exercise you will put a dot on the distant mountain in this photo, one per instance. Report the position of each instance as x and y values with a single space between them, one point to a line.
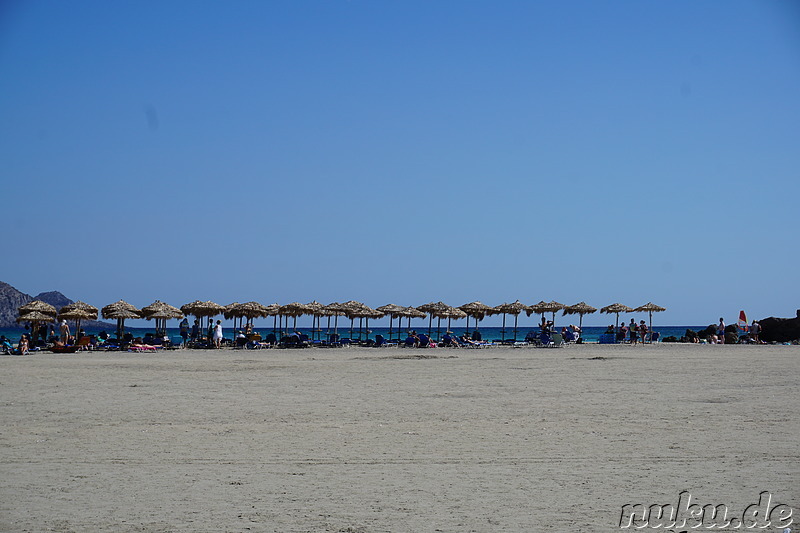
54 298
11 299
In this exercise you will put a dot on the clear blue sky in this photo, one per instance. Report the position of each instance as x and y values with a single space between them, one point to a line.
403 152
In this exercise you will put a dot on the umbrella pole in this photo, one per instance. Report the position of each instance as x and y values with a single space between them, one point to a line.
439 329
430 325
516 317
503 330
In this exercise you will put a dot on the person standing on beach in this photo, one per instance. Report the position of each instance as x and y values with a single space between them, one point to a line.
632 331
184 327
64 330
218 334
755 329
195 329
721 331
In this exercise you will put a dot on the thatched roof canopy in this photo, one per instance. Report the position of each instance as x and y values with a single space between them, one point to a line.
315 308
76 314
38 305
476 310
353 309
334 309
201 309
121 309
83 306
580 308
247 309
272 309
616 308
649 307
159 309
411 312
294 309
34 316
390 309
513 308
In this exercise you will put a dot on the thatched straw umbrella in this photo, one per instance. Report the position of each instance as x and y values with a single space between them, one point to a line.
335 310
36 318
161 312
450 313
409 312
294 309
78 311
650 308
476 310
392 310
248 310
200 310
354 309
230 312
431 308
317 311
120 310
547 307
40 307
616 308
580 309
273 310
440 310
363 313
514 308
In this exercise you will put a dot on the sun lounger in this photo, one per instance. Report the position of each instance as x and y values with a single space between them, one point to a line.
143 348
63 349
608 338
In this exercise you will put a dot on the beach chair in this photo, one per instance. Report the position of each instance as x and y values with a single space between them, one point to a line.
84 343
608 338
380 341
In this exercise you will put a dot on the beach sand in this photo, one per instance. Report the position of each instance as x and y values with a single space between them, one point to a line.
392 440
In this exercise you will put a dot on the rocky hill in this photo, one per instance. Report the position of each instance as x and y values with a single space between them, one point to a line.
11 299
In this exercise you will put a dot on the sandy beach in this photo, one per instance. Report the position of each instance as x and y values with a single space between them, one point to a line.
392 440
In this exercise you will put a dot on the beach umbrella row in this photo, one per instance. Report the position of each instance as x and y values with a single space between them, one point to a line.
37 311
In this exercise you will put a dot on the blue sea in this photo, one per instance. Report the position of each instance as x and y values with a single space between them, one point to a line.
590 333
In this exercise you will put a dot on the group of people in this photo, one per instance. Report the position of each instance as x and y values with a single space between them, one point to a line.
752 334
214 333
632 332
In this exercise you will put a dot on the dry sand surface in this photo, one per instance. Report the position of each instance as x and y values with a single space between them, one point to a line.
392 440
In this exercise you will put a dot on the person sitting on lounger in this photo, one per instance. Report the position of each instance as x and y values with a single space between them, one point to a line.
448 340
22 347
